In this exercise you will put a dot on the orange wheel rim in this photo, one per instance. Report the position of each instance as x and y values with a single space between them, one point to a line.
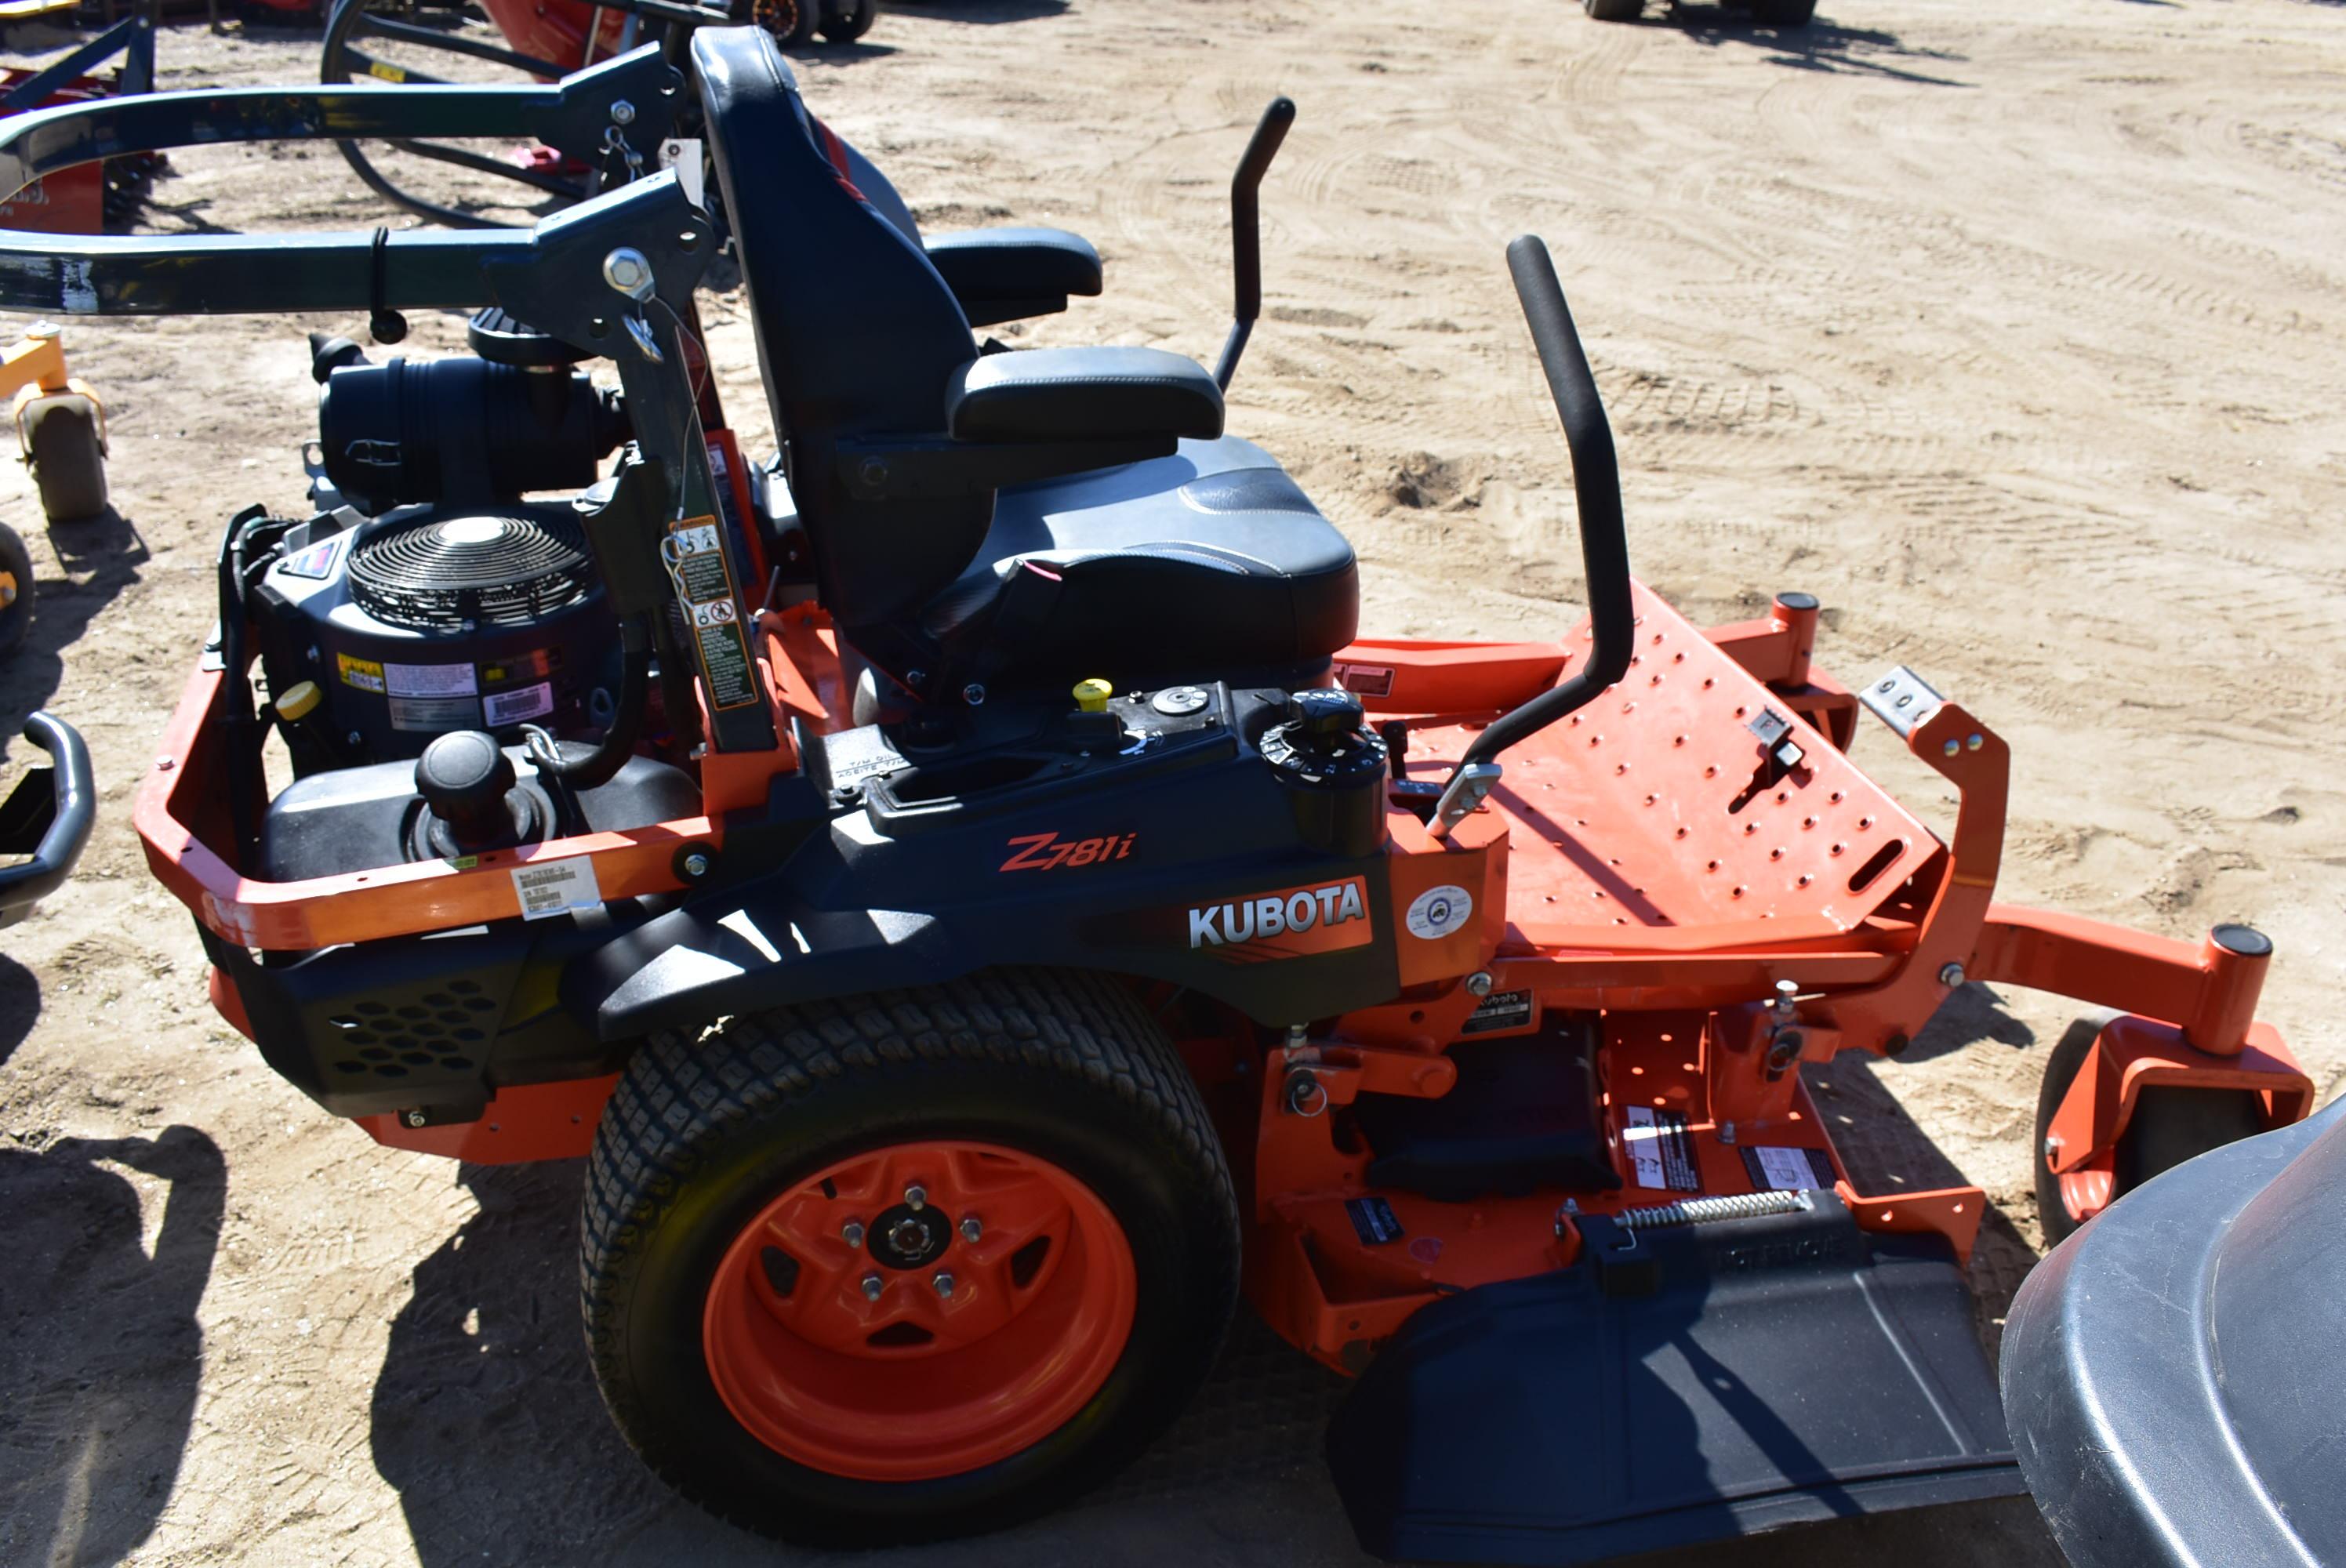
919 1311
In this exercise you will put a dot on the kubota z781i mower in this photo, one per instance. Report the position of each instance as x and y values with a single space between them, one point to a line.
980 908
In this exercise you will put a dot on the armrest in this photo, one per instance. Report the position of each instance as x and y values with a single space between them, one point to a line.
1082 394
1001 274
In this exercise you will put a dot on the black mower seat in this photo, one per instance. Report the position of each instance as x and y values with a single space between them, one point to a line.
914 456
1212 560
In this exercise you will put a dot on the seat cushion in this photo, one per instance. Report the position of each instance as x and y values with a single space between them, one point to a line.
1211 563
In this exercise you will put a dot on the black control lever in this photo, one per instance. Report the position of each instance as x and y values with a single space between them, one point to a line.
1246 231
1604 539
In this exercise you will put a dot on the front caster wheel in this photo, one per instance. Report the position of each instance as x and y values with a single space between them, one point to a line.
2170 1126
909 1265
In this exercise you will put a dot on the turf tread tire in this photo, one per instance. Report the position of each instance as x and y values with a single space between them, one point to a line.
683 1096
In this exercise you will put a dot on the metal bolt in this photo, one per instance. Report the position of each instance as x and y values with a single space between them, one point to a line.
872 1286
1727 1131
43 329
1479 984
852 1232
1786 1004
973 695
916 677
916 1197
630 271
970 1228
1952 976
623 113
1976 741
944 1282
2052 1146
1954 747
414 1118
355 738
696 865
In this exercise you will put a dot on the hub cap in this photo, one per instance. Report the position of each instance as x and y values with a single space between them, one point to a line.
967 1353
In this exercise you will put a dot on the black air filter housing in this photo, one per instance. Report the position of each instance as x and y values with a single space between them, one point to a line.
428 619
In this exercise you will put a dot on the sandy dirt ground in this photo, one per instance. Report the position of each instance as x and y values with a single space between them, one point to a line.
2016 329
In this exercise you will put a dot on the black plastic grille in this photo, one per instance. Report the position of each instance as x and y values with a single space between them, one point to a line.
458 573
441 1029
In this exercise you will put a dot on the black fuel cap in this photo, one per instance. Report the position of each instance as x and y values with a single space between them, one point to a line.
464 777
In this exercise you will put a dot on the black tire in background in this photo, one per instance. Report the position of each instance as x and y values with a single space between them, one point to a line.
1783 13
793 22
844 21
1614 10
707 1128
16 566
2170 1126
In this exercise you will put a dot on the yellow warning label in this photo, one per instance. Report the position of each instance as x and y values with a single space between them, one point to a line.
388 73
362 673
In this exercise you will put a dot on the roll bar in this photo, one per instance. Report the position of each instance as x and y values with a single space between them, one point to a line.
1604 538
236 274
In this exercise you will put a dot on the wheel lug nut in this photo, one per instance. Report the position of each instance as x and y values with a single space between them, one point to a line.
872 1286
945 1283
916 1197
852 1232
970 1229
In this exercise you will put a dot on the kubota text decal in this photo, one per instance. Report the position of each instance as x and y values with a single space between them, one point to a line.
1290 923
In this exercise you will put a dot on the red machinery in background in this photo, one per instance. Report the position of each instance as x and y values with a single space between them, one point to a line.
384 40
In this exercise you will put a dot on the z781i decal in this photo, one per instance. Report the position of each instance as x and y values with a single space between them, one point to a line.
1048 852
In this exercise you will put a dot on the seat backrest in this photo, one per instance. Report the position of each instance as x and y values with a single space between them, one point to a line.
857 334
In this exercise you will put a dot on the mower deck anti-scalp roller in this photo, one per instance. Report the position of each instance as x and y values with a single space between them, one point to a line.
982 907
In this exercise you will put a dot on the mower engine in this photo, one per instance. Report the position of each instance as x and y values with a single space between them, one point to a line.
428 635
426 596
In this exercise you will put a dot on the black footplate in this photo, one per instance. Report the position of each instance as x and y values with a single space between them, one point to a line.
1683 1382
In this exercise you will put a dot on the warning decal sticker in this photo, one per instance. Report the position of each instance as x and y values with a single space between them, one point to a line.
362 673
431 679
1788 1170
1373 1220
696 559
1659 1153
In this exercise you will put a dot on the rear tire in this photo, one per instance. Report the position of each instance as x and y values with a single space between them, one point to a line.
792 21
1614 10
1783 13
67 458
2170 1126
712 1236
848 20
15 588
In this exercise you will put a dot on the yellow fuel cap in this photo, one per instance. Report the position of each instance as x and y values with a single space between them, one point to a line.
1091 696
300 700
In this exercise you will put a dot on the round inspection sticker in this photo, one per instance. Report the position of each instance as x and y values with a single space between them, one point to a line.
1437 912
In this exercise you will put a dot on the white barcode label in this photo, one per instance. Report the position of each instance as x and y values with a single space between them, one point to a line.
512 706
557 888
